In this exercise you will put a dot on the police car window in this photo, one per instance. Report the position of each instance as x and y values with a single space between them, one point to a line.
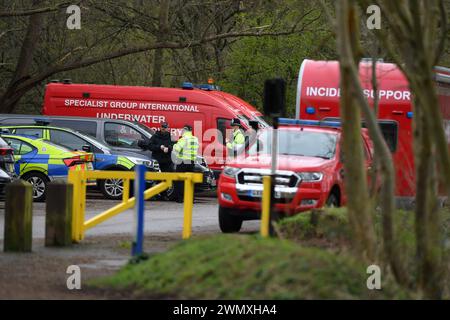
30 132
19 147
59 146
87 127
3 143
67 139
121 135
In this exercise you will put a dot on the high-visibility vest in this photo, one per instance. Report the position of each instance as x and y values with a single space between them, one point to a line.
187 147
238 139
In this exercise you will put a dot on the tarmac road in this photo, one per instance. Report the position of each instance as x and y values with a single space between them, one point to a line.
160 217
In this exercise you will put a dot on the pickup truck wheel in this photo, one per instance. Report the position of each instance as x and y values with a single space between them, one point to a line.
332 201
229 223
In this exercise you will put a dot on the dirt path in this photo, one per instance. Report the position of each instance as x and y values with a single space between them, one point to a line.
42 273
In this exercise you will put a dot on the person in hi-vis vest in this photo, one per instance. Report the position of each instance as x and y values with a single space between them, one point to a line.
185 152
238 138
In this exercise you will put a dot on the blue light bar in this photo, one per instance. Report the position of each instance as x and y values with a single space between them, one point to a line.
316 123
187 86
206 87
310 110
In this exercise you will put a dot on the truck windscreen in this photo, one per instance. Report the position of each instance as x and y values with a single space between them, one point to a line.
298 143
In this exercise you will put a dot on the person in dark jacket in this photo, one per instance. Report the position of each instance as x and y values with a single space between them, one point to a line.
161 145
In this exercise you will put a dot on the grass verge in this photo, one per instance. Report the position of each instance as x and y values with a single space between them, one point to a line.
246 267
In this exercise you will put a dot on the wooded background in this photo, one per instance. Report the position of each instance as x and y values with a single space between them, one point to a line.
160 43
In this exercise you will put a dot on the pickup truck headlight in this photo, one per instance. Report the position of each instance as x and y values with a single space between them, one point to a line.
230 171
310 176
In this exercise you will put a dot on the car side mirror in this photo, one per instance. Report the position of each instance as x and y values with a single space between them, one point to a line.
142 144
86 148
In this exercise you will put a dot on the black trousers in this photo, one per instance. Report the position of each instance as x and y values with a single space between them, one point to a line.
179 185
166 166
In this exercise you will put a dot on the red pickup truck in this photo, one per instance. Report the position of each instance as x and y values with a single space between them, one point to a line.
309 172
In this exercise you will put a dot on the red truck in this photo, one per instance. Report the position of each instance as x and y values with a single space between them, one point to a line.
206 108
309 172
318 99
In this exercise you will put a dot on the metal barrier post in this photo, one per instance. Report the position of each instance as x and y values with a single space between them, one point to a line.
265 214
75 181
126 190
79 180
188 205
81 217
140 207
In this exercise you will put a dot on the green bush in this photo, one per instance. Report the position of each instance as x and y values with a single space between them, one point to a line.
329 225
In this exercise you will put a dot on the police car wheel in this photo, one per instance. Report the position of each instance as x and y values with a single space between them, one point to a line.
228 222
111 188
39 182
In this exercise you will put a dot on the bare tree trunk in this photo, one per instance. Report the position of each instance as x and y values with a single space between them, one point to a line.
355 175
384 158
426 211
158 60
10 98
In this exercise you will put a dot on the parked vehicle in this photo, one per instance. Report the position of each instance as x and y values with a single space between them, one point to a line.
120 136
318 99
6 158
39 161
309 173
5 178
105 158
203 107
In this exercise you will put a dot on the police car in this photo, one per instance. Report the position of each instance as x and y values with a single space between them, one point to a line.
39 161
105 157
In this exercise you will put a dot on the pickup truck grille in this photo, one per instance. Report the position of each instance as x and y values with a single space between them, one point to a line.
254 177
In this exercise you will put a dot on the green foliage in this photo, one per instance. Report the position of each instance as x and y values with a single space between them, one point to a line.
329 228
240 65
253 60
330 225
246 267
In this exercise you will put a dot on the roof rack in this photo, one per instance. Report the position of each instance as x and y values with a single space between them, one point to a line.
42 121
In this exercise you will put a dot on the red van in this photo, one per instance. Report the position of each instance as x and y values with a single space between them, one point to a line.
318 99
207 109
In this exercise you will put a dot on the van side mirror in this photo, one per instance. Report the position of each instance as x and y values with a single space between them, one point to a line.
254 124
86 148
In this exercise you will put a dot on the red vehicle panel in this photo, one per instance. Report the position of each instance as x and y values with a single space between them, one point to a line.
208 111
318 98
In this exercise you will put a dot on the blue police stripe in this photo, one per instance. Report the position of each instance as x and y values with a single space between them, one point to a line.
104 160
57 170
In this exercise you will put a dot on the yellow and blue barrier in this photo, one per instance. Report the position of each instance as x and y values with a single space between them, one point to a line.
79 180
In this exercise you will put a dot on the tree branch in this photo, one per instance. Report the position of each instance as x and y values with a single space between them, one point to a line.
30 12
